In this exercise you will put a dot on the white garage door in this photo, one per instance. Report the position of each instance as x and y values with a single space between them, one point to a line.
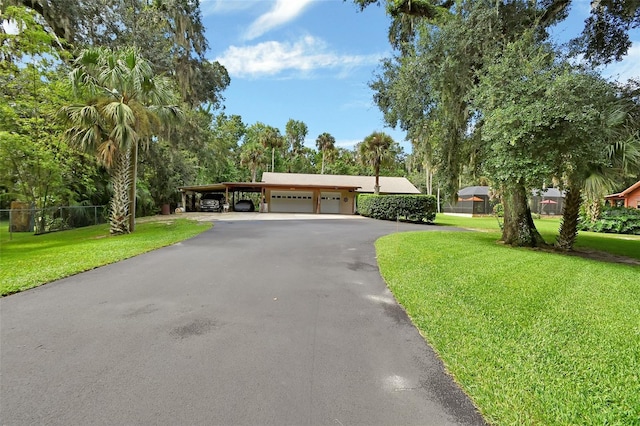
291 202
330 202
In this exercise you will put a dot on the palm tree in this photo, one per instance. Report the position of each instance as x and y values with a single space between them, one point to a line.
295 132
252 155
270 137
376 151
125 107
325 143
622 159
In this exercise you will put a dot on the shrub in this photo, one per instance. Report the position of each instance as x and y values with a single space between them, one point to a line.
615 220
412 208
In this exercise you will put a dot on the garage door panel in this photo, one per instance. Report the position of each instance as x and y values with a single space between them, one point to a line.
330 202
291 202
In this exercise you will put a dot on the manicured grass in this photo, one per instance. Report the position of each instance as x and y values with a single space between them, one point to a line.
535 338
623 245
27 261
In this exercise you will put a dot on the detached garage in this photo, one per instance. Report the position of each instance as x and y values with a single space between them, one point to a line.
306 193
328 194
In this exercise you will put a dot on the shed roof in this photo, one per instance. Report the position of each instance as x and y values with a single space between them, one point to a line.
388 185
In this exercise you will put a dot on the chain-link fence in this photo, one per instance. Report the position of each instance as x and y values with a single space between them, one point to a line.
40 221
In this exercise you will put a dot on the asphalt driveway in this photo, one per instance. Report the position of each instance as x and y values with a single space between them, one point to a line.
251 323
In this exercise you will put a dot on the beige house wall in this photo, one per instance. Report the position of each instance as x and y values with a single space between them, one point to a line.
347 207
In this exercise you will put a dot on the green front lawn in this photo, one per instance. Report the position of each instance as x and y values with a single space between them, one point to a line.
622 245
535 338
27 260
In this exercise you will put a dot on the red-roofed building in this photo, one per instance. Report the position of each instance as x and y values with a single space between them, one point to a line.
630 197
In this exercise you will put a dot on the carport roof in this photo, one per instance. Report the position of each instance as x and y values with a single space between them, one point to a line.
258 186
203 188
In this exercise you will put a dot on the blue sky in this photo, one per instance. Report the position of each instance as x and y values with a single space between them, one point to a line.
311 60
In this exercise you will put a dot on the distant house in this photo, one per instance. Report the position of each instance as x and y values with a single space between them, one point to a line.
630 197
301 193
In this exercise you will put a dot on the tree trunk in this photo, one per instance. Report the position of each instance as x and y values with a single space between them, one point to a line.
569 225
121 180
593 209
322 168
133 190
519 229
376 187
273 156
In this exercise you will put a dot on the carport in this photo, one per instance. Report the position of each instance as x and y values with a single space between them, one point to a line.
190 193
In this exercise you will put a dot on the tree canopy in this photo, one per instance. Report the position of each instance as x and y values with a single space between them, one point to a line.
480 89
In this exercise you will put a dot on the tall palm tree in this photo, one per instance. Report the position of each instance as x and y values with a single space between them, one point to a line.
622 160
252 155
126 106
295 132
270 137
326 144
376 151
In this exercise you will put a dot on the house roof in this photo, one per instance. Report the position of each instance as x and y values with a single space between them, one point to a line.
388 185
632 188
473 190
626 192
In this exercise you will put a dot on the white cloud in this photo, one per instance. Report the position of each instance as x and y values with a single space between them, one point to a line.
282 12
303 56
627 68
348 144
218 7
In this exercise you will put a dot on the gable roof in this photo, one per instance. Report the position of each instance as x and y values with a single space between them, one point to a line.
626 192
630 189
388 185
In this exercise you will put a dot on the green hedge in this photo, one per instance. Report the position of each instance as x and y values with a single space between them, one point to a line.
614 220
412 208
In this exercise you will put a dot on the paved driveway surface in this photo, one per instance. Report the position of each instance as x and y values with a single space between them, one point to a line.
252 322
